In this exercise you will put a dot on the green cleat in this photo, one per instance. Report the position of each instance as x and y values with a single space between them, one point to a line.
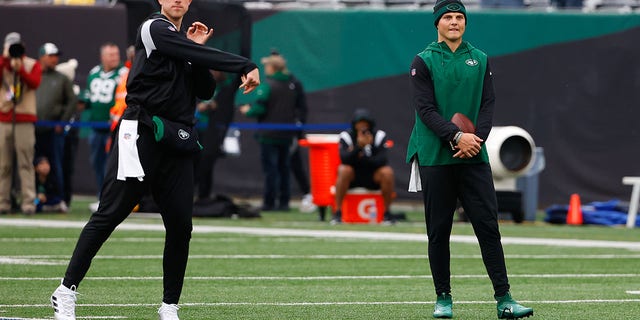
511 309
443 308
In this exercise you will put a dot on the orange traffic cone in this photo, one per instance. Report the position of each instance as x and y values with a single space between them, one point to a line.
574 215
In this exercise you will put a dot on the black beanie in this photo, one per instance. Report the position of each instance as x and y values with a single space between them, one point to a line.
443 6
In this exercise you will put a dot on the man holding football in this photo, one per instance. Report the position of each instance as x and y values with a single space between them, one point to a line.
451 77
170 69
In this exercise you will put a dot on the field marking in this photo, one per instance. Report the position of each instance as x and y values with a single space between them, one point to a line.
633 291
326 303
328 256
89 317
29 261
306 233
346 277
116 239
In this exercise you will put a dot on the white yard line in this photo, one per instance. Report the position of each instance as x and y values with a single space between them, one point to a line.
28 258
94 317
29 261
325 278
368 235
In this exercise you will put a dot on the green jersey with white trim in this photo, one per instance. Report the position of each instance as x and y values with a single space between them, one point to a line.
100 94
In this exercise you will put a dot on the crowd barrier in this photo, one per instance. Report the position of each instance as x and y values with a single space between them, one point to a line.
236 125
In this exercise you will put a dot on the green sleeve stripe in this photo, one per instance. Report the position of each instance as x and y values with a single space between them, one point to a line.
158 128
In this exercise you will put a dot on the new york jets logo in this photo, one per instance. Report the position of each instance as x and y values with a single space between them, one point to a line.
471 62
183 134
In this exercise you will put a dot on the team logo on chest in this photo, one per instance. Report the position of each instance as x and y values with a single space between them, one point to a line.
183 134
471 62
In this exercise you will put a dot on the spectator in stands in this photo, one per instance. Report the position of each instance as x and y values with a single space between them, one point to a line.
98 98
277 102
364 163
568 4
48 197
20 78
450 76
501 3
55 101
219 112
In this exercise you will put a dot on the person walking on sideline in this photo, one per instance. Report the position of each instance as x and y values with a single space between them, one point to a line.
451 76
170 69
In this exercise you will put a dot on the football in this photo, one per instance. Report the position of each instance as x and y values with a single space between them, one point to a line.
463 122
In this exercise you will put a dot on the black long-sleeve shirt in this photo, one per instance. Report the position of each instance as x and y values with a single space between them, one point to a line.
426 105
169 70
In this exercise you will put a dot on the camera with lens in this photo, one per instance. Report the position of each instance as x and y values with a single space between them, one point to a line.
16 50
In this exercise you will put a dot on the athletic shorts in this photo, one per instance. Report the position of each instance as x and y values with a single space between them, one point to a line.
364 179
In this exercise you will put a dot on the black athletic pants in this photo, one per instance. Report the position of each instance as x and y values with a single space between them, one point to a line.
300 171
170 178
442 186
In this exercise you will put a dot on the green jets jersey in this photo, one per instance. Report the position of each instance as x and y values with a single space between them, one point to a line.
458 80
100 94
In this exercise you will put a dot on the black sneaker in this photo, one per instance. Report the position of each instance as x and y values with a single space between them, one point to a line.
337 218
388 219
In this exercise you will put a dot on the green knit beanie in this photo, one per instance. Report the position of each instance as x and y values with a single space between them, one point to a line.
443 6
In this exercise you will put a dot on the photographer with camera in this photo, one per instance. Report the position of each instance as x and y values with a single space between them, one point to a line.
20 78
364 163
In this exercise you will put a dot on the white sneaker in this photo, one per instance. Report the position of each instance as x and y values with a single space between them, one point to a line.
93 206
63 301
307 205
168 312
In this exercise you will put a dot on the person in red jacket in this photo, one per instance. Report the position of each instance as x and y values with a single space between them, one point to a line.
20 77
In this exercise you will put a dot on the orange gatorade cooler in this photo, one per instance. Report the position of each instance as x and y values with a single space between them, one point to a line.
361 205
324 160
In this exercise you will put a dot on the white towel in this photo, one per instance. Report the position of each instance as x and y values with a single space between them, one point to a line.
129 165
415 184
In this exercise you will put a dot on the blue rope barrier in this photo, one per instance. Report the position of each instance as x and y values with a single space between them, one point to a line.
237 125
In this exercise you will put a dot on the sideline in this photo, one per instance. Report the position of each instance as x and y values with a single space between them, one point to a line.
365 235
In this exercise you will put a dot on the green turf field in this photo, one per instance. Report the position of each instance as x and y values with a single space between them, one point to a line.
244 275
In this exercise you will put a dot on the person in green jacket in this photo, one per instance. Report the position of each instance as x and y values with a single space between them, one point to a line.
451 76
277 103
98 98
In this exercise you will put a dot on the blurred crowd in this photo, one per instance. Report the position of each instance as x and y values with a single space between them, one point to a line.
37 162
38 144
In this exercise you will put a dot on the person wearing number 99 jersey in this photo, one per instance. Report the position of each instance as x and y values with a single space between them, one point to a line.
98 97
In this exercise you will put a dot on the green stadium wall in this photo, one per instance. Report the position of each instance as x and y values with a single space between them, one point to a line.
570 79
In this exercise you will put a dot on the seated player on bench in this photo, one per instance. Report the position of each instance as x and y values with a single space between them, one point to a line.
364 163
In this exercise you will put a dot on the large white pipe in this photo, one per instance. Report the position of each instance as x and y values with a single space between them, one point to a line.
511 152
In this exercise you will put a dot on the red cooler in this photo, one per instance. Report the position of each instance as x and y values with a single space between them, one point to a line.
324 160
